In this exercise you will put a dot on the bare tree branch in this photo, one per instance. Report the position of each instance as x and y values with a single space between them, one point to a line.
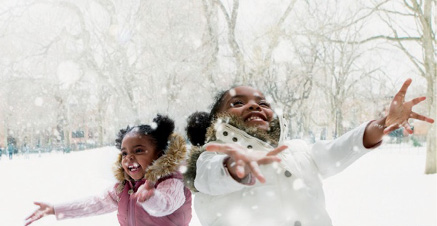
231 21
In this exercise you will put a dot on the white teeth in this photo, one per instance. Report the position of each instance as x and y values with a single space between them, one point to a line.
254 118
134 166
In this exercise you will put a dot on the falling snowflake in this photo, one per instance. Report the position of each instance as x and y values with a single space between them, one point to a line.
153 125
39 101
232 92
182 169
275 165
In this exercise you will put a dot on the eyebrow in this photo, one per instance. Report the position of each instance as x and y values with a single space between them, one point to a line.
244 96
139 145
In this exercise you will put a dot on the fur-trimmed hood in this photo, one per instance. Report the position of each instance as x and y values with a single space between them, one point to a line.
273 137
168 163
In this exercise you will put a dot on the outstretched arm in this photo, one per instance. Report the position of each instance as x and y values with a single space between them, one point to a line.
90 206
44 210
399 114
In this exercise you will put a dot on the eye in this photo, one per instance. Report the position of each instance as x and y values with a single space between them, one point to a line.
265 104
237 103
139 150
123 154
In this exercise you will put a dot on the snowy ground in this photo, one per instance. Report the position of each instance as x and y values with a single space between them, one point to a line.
384 188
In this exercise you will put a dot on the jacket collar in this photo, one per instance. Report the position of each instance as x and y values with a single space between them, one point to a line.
276 134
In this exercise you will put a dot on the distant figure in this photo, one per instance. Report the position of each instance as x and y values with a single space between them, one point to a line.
323 134
10 150
26 151
312 137
1 152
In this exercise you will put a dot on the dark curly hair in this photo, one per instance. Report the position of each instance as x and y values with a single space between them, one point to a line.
159 133
198 122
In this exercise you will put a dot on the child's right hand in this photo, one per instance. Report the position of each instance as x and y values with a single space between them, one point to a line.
44 209
144 192
242 162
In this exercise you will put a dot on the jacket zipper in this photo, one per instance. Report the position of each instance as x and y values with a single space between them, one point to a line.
131 210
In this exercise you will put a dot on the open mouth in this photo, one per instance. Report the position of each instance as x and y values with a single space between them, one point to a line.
134 167
255 118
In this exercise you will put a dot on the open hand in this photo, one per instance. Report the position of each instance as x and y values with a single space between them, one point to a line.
44 210
243 161
400 111
144 192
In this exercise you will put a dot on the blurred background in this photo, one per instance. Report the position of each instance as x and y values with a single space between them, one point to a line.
72 73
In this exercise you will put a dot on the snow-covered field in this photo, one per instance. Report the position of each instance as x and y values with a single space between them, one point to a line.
386 187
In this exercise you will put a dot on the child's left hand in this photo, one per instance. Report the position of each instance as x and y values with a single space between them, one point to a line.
144 192
400 111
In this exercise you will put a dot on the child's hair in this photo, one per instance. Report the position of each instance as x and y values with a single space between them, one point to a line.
160 130
198 122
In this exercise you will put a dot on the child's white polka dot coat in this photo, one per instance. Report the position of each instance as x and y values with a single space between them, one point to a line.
293 193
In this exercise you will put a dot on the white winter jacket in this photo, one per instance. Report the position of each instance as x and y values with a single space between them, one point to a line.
293 193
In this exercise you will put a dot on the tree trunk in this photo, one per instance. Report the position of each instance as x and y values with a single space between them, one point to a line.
431 149
431 74
431 157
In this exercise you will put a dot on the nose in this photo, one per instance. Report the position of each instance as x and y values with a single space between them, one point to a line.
129 156
253 105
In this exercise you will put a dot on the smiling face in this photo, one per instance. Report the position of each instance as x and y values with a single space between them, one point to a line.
138 152
249 104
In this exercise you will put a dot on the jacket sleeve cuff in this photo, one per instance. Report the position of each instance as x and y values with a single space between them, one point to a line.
375 145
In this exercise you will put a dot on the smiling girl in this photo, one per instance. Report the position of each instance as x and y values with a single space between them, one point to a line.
149 191
246 172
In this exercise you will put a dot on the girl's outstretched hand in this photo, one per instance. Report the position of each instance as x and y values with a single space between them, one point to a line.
400 111
144 192
242 161
44 210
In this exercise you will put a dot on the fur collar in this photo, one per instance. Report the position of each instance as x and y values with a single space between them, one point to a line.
271 137
163 166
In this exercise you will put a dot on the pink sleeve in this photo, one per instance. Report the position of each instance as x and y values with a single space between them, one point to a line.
167 198
90 206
